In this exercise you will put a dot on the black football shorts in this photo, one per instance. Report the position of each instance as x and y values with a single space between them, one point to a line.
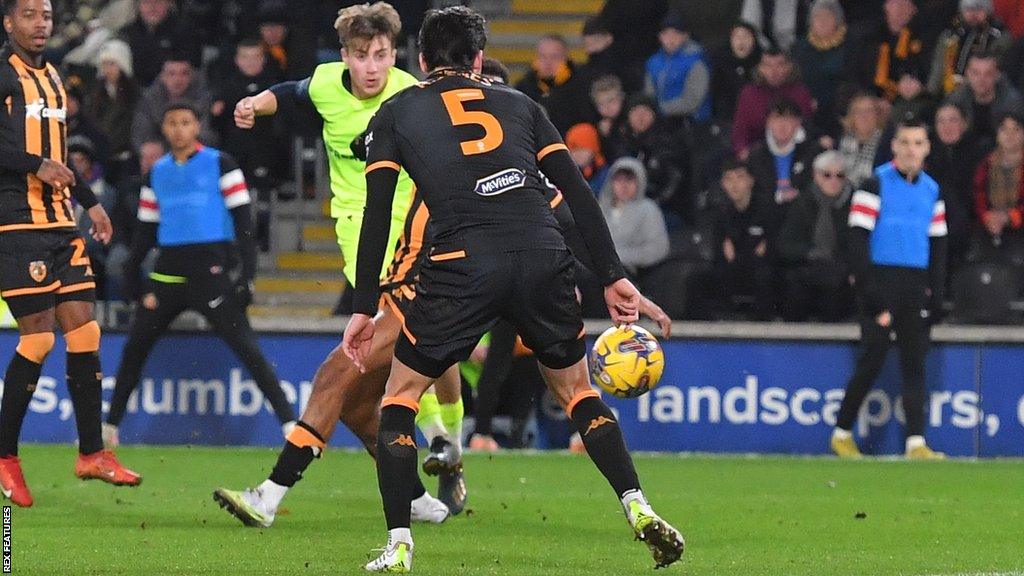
42 268
460 296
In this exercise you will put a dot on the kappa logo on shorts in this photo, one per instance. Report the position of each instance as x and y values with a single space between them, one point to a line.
37 270
500 182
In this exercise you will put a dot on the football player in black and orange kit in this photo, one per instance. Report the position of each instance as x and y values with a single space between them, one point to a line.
476 152
45 275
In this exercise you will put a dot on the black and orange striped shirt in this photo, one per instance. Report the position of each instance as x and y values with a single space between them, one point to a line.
33 127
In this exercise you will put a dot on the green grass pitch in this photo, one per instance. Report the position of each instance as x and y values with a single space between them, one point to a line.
531 514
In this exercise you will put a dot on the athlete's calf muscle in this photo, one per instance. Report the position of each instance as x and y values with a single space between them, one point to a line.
341 391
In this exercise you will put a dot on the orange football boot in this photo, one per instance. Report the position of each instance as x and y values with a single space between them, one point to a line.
103 465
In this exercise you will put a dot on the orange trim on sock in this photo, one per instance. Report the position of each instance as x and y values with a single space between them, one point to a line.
400 401
35 346
304 438
579 398
383 164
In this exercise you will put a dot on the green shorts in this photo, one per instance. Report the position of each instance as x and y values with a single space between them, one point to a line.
347 228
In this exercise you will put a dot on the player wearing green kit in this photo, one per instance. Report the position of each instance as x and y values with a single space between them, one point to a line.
346 95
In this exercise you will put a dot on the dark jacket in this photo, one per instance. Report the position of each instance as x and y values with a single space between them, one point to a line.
729 75
567 103
953 166
796 238
113 114
150 48
881 57
746 229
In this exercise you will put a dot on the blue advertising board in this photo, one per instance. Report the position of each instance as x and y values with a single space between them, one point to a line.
735 396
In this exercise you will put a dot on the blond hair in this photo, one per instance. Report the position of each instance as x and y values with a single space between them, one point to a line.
362 23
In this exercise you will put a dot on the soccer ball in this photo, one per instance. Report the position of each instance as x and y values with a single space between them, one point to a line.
626 362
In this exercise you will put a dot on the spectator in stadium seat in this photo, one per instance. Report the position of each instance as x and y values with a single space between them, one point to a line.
552 82
1012 64
781 162
821 55
82 156
584 145
262 165
635 222
893 46
743 262
609 99
663 153
274 36
860 143
732 68
124 215
781 22
974 30
999 189
177 83
987 94
80 124
952 164
775 78
912 101
812 244
112 101
602 60
635 27
677 76
154 36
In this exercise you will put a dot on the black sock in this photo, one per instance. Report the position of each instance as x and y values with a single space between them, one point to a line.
603 438
19 384
396 463
294 460
84 384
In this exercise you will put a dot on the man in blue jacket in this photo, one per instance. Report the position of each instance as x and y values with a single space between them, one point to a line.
678 76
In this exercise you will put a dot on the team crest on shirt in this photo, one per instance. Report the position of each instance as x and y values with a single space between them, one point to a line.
500 182
37 270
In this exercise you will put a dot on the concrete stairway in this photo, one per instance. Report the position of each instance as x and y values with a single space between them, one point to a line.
514 34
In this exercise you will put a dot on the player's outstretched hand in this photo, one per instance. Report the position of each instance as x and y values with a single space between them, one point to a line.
245 113
358 338
654 312
623 301
102 230
55 174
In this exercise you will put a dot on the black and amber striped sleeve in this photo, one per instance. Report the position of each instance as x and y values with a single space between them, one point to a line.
13 156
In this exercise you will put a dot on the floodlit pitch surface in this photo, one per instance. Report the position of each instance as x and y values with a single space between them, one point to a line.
531 514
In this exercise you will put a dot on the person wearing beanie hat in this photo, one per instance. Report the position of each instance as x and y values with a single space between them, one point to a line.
974 30
112 101
678 76
584 145
604 59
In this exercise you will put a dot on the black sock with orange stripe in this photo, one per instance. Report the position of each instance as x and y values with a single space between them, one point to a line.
396 463
86 390
302 446
603 438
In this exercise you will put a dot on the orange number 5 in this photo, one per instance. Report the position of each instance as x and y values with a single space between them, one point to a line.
493 134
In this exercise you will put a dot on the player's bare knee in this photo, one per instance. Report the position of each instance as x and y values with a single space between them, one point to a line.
35 346
85 338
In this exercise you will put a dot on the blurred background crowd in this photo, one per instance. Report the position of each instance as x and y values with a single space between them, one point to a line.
724 161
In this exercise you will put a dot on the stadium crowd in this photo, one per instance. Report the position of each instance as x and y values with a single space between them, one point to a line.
725 167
